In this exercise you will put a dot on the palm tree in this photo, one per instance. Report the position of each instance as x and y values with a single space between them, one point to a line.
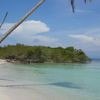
72 2
4 19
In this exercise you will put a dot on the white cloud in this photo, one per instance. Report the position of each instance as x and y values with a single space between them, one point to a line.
45 40
28 27
30 33
83 38
95 40
36 39
93 31
83 11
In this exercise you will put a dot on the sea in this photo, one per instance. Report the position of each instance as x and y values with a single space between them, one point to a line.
70 81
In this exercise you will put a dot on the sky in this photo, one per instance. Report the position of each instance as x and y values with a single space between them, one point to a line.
54 24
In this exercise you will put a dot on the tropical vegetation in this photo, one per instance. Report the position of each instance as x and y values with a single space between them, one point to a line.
41 54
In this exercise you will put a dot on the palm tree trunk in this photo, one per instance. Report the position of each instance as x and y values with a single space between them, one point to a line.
21 20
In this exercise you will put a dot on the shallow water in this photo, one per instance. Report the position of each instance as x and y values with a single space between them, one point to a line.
65 81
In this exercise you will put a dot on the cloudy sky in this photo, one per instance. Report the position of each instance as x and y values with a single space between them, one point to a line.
54 24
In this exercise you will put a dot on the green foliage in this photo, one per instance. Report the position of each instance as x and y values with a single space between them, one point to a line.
42 54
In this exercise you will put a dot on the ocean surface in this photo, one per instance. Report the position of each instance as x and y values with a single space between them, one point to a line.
53 81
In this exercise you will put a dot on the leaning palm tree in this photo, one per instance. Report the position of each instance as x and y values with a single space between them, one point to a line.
72 2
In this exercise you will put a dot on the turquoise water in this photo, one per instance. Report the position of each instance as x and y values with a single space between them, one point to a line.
75 81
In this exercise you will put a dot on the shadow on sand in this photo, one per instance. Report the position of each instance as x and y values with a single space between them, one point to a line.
57 84
66 85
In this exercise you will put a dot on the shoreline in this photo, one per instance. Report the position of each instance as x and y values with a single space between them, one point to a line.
3 61
13 61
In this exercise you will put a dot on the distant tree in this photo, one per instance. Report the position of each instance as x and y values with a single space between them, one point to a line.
40 54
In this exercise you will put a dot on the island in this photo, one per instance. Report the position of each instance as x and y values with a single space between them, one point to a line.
42 54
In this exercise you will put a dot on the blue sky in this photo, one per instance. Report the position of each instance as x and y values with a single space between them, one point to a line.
54 24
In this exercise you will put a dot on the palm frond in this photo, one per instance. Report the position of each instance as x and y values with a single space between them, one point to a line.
72 2
4 19
73 5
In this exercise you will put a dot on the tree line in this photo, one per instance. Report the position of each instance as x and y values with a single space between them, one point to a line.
42 54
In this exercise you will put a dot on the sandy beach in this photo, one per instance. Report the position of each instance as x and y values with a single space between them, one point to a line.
12 90
3 96
2 61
